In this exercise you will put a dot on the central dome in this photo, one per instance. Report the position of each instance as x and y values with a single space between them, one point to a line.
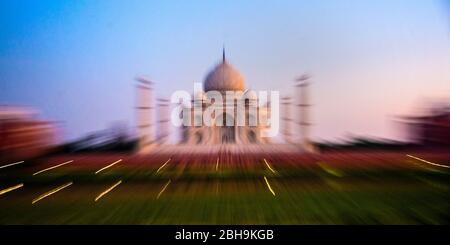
224 77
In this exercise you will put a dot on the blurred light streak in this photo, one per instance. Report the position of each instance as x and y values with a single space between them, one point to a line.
330 170
4 191
50 168
217 165
51 192
110 165
425 161
268 165
268 185
163 189
108 190
159 169
12 164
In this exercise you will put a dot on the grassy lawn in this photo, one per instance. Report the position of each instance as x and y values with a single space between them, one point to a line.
312 195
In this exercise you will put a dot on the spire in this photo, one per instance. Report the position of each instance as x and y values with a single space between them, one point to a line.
223 54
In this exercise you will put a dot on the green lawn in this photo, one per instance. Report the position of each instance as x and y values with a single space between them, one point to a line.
302 196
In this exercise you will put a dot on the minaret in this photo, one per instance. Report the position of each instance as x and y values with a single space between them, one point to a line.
302 83
163 120
144 113
287 119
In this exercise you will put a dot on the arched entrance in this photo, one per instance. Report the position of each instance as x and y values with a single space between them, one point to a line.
198 138
252 137
228 135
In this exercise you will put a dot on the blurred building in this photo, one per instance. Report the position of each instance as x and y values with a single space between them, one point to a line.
22 135
432 129
224 130
240 120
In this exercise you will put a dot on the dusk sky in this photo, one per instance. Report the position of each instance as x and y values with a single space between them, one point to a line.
370 61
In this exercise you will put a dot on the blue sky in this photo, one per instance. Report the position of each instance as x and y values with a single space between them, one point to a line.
370 60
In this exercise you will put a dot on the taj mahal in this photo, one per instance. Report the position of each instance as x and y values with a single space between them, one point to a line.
238 120
225 78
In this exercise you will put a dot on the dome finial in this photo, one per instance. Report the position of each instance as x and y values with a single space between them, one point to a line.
223 53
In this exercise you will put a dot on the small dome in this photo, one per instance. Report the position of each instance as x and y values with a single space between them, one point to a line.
224 77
